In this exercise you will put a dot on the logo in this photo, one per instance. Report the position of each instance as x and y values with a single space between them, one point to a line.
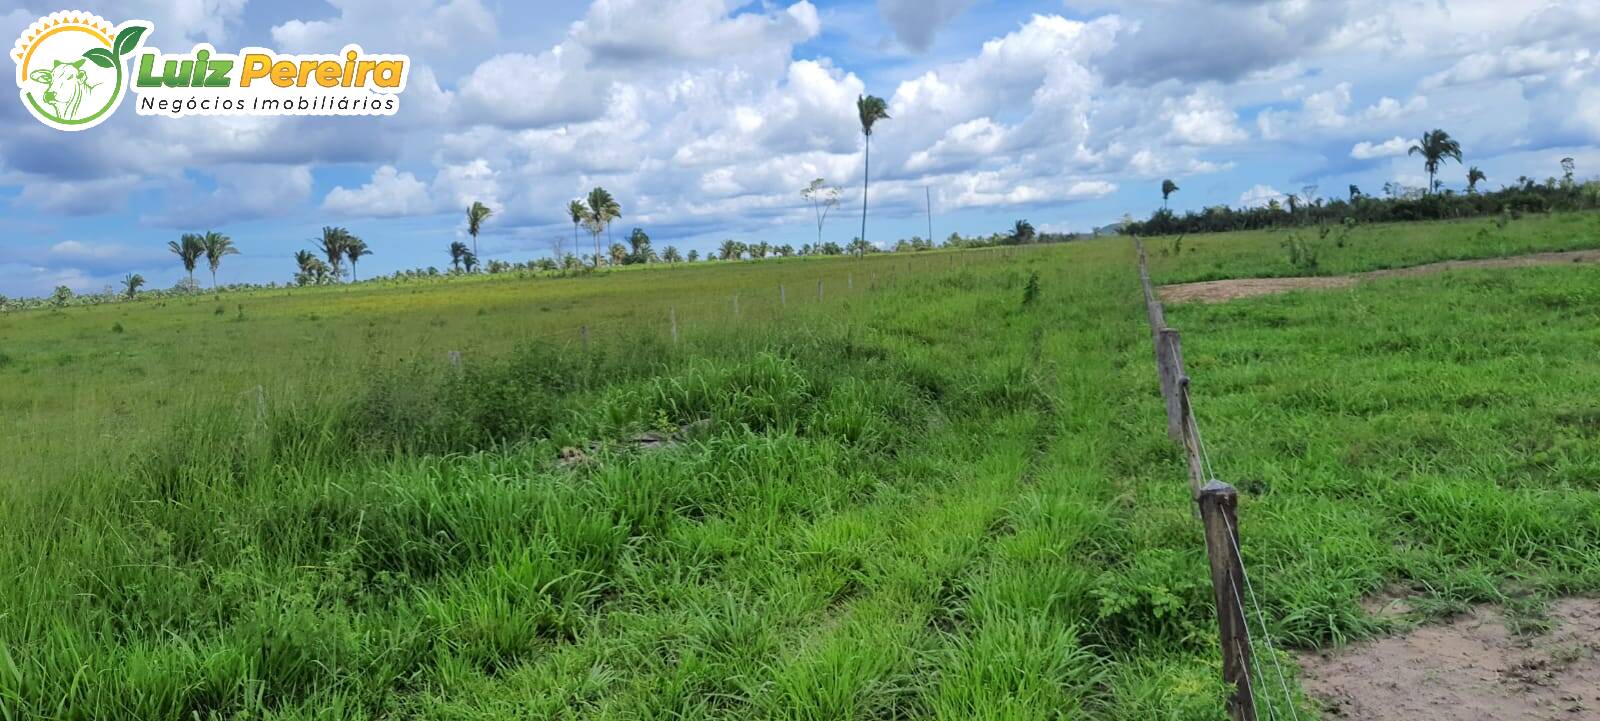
73 69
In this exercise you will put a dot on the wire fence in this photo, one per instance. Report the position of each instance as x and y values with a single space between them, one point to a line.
1241 620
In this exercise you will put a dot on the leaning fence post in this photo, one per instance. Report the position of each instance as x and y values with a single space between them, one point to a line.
1219 504
672 317
1169 367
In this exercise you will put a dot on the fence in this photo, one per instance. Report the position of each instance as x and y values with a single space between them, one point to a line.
1217 504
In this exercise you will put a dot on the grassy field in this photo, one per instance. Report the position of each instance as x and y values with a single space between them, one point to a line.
916 498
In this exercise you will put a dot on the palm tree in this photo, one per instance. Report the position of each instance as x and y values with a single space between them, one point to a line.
1474 176
469 260
355 249
670 254
730 250
617 254
601 210
871 109
189 247
1436 147
1167 189
1022 232
640 251
578 212
475 217
216 246
131 283
458 252
332 243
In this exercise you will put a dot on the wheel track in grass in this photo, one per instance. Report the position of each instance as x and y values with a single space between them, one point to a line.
1220 291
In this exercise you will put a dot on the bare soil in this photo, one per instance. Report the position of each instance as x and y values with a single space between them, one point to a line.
1471 669
1217 291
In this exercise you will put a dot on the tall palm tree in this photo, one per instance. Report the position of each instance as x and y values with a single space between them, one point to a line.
601 210
1167 189
458 252
1436 147
355 249
131 283
475 217
333 242
1474 176
216 246
189 248
578 213
871 109
730 250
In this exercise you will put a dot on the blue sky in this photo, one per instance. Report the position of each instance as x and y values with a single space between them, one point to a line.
706 117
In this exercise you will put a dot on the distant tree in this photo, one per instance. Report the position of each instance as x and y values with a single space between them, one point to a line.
861 247
476 214
1355 193
618 254
670 254
131 284
760 250
1022 233
1568 167
694 255
355 249
189 248
458 253
61 297
1474 176
831 248
216 246
600 211
1167 189
823 198
469 261
639 250
785 250
578 212
1436 147
332 243
871 109
730 250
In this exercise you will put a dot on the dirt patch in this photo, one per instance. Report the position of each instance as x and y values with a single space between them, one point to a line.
1217 291
1471 669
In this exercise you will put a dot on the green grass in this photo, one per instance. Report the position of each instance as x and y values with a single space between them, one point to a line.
1261 254
923 499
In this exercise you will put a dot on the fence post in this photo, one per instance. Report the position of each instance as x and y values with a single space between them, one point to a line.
1219 504
819 289
672 316
1191 441
1169 367
850 281
583 332
783 295
735 305
455 360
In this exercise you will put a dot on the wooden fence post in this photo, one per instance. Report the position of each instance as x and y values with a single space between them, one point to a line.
819 289
850 281
672 316
583 332
1219 504
783 295
1191 440
735 305
1169 367
455 360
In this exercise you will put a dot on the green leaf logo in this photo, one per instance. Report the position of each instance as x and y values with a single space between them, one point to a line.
128 39
101 57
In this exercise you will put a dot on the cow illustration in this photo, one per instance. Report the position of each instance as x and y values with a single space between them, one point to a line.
66 86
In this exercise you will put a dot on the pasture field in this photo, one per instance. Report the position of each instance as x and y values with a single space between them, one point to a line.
920 498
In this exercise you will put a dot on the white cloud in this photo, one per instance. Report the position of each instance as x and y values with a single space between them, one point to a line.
1392 147
1260 195
390 193
1203 119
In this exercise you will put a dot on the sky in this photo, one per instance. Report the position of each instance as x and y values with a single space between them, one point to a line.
705 118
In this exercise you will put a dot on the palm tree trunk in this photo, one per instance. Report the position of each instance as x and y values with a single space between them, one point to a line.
474 248
866 179
213 281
